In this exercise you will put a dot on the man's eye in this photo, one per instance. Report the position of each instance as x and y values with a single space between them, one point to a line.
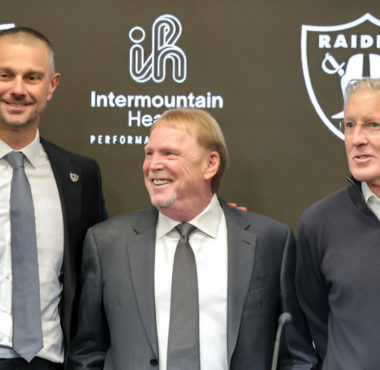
3 75
33 78
375 124
350 124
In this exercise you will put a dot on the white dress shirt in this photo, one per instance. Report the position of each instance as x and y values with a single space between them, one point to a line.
209 244
373 202
49 233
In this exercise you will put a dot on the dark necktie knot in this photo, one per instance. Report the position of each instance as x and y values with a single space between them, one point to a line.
185 230
15 159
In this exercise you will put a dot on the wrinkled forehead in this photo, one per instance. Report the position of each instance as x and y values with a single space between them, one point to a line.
363 95
363 104
168 133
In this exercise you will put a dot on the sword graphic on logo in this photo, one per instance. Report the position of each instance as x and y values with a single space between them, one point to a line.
353 72
337 68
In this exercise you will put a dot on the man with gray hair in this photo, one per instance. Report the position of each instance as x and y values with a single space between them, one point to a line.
338 254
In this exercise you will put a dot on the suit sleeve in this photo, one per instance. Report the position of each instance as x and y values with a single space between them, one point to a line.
102 207
95 193
312 289
297 351
91 342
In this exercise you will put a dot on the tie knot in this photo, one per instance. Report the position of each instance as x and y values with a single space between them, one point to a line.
185 229
15 159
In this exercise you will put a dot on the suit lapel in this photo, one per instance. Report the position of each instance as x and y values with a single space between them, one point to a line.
241 252
141 251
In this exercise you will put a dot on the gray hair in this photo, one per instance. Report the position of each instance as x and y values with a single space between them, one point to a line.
363 84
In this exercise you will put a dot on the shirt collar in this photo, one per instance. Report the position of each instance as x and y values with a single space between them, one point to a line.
368 194
31 151
207 221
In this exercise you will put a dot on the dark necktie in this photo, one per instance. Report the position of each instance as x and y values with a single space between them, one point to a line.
26 311
183 342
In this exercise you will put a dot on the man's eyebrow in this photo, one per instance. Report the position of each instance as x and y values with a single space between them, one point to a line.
28 71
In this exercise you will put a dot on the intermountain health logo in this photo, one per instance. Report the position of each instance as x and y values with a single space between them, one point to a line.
164 52
335 56
153 58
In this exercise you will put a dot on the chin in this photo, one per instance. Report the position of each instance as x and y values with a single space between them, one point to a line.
18 124
163 203
365 176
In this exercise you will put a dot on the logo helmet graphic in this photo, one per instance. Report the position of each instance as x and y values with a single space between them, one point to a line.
166 31
335 56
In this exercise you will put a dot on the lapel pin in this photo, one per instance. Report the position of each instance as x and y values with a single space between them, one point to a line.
74 177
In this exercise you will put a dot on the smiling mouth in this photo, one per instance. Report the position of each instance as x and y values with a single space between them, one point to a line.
16 105
161 182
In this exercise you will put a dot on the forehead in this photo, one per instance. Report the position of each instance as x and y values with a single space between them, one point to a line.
363 101
28 53
364 96
165 135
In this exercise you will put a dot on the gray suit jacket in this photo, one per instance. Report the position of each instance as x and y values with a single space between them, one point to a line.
117 324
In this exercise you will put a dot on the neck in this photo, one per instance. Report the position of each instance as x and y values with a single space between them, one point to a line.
18 138
186 211
375 187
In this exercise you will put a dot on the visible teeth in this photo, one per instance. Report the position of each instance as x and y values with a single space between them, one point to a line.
16 105
160 182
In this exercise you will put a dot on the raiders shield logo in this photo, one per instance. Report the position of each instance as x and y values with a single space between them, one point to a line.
335 56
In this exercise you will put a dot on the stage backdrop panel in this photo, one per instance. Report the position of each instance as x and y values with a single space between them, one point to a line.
270 72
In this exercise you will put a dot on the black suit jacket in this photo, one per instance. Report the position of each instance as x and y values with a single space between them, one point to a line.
117 324
79 185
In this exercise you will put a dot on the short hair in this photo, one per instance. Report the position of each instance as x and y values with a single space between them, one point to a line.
363 84
22 34
208 131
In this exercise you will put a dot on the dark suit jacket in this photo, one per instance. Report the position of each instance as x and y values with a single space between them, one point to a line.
82 206
117 325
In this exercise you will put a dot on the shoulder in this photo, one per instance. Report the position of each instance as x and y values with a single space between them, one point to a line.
329 207
136 222
56 152
254 222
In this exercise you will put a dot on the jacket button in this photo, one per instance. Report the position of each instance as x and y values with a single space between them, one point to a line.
154 362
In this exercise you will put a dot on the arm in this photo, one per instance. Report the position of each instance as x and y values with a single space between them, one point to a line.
311 286
91 342
296 347
100 197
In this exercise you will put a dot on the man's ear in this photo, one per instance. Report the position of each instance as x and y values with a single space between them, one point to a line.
54 81
213 163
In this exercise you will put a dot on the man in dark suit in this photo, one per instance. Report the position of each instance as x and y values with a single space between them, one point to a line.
137 300
65 196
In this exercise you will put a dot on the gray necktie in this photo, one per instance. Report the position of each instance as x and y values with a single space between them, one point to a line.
183 342
26 311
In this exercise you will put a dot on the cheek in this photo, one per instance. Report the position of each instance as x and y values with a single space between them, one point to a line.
347 145
145 166
376 146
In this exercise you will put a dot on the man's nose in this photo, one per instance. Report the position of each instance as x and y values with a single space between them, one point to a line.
156 162
359 135
18 87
